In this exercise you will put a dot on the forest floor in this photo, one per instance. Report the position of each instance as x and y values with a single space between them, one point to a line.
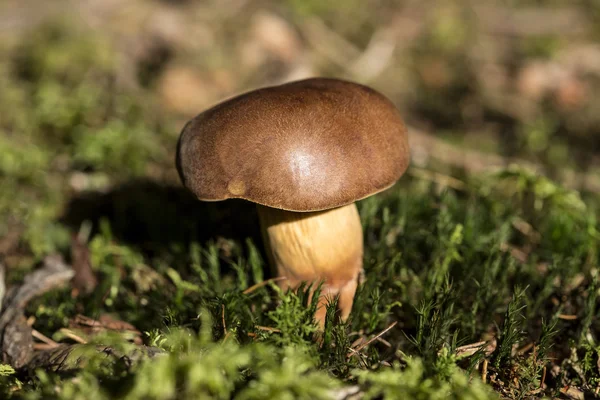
481 263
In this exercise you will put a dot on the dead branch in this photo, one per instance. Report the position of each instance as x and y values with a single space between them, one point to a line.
54 273
17 341
16 335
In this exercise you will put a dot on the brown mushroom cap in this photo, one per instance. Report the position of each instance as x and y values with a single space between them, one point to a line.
308 145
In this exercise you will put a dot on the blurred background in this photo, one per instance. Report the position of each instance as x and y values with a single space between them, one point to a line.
94 94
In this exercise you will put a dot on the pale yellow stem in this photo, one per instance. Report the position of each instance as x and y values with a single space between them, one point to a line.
315 247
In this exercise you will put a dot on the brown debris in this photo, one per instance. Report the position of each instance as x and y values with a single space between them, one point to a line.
178 89
273 36
10 241
84 281
16 333
572 393
568 317
90 327
73 336
571 94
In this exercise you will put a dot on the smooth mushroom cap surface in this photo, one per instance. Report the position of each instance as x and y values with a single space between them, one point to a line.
307 145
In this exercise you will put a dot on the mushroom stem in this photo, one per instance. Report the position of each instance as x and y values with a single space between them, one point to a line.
314 247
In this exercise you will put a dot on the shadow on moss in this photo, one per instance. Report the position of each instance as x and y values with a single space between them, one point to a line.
155 216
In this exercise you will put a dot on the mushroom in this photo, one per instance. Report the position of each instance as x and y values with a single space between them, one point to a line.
304 152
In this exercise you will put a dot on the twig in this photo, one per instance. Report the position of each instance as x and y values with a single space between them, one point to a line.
71 335
568 317
360 356
267 328
263 283
525 348
43 346
384 342
469 349
226 337
543 378
484 370
223 319
40 336
362 346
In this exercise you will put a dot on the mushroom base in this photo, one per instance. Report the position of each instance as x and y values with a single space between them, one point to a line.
314 247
